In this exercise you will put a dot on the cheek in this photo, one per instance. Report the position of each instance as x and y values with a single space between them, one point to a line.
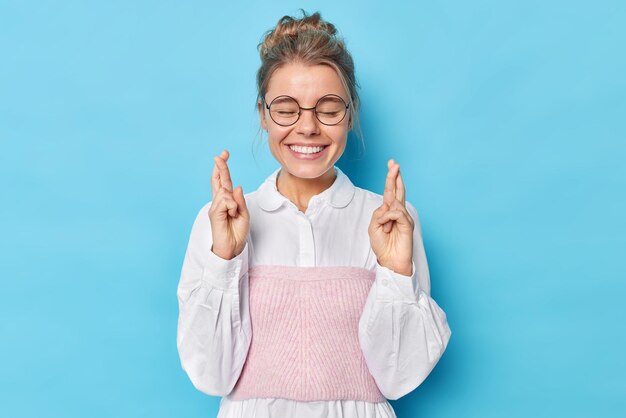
339 136
276 136
276 142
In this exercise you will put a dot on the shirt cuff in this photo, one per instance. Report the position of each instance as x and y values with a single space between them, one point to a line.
225 274
393 286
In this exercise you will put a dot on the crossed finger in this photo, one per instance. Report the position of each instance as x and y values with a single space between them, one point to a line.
215 180
400 190
223 171
390 182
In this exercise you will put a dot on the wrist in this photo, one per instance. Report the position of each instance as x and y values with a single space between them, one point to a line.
223 255
405 269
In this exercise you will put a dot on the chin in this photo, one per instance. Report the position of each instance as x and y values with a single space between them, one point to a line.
308 171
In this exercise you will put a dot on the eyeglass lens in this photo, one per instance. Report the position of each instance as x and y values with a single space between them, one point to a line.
330 110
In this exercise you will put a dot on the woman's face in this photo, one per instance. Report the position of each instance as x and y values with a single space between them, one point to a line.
306 84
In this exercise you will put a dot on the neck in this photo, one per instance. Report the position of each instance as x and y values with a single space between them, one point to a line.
300 190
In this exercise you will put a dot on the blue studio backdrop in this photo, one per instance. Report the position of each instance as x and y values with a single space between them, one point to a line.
508 119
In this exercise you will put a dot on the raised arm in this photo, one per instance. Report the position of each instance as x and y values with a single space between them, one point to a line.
214 331
402 331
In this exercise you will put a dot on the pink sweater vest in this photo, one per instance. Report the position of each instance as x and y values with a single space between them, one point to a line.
305 342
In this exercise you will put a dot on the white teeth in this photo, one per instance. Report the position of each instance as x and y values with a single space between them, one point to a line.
306 150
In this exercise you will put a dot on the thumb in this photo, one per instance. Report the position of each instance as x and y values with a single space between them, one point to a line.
384 208
381 210
241 201
377 214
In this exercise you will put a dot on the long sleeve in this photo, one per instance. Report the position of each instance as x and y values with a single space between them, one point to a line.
214 331
402 331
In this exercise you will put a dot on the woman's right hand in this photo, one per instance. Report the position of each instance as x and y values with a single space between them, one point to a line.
230 219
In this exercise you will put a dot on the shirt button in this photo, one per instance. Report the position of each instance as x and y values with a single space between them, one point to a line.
384 282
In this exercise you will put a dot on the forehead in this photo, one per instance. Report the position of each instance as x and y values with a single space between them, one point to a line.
305 83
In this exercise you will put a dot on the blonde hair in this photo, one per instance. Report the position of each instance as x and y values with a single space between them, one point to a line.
309 40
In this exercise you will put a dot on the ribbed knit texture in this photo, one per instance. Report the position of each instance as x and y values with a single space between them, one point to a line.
305 342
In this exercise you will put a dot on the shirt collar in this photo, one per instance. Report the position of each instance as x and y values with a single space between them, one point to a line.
339 194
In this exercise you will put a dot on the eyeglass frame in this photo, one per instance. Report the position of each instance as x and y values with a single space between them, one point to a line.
267 106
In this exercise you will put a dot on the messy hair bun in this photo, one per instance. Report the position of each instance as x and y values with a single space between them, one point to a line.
290 27
309 40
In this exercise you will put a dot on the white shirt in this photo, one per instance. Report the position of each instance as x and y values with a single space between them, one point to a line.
402 330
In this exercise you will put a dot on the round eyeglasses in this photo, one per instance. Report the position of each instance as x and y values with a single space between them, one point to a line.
329 110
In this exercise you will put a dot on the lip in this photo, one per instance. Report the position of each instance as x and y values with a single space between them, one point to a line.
307 145
307 156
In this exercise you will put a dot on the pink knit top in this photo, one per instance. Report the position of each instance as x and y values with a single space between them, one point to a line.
305 342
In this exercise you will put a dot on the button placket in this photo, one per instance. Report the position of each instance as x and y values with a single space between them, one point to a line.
307 248
313 207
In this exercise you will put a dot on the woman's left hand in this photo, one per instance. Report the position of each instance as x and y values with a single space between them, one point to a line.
391 227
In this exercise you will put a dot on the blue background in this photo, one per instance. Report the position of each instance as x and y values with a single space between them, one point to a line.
508 119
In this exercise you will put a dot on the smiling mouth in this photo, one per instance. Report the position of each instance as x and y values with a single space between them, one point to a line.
307 150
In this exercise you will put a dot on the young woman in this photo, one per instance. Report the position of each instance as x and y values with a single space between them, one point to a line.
308 297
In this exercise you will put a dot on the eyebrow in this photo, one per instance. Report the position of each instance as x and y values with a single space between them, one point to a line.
280 98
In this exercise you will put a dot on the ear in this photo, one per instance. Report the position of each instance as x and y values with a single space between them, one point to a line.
261 110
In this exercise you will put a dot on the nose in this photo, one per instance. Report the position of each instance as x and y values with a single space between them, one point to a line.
308 123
